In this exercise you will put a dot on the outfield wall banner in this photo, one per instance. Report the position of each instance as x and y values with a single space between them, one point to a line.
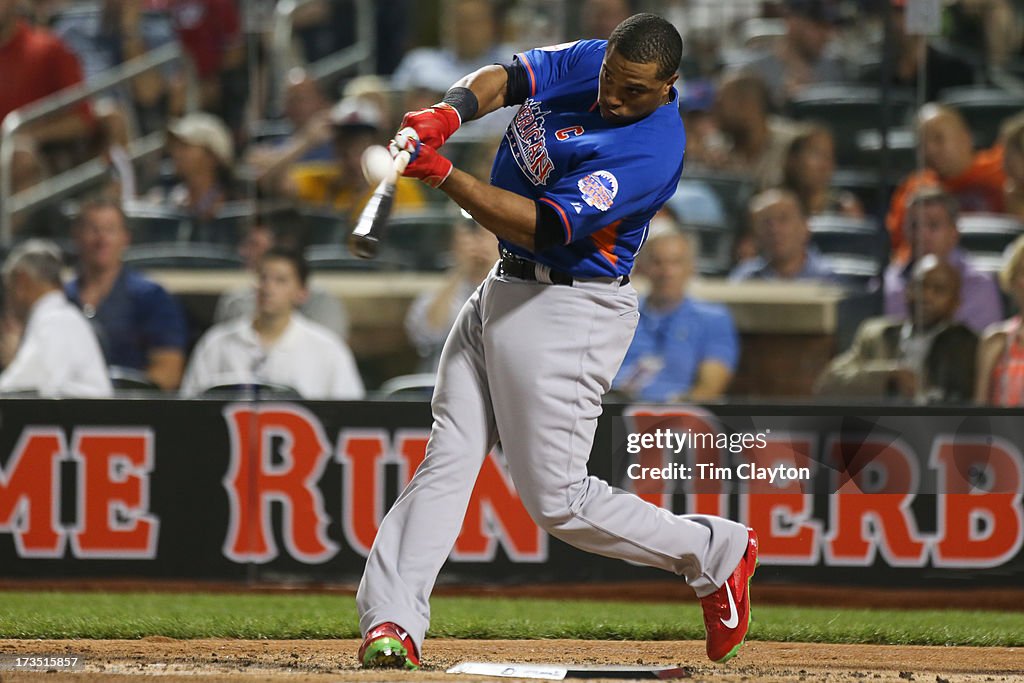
297 490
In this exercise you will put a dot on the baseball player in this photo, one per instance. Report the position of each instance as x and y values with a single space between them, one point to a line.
594 151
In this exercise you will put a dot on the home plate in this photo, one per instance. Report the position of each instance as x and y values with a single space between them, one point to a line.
558 672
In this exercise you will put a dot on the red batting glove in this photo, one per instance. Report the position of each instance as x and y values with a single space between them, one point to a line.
426 163
434 124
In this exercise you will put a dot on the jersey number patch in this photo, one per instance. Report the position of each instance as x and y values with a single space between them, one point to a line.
564 133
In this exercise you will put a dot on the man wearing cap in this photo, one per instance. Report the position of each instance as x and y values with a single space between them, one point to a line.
355 127
802 57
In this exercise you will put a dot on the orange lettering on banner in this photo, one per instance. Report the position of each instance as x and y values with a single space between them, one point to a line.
254 481
781 511
30 493
979 502
708 496
867 518
362 454
496 513
113 494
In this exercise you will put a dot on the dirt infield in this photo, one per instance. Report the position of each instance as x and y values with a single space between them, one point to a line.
292 661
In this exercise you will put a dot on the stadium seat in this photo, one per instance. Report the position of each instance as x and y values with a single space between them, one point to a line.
195 255
323 227
848 108
129 378
338 257
840 236
988 232
423 237
863 184
733 190
413 387
901 156
855 271
715 243
150 223
250 391
984 108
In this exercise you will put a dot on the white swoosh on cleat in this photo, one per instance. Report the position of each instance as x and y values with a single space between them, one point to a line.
734 617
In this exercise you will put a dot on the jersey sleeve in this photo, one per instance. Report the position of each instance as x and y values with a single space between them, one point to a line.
598 194
548 65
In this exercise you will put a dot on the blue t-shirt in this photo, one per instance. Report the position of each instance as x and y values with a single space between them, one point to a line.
668 348
605 181
137 316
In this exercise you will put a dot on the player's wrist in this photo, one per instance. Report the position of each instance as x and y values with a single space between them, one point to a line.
463 102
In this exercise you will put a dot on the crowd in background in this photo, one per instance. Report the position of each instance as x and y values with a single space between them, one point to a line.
274 162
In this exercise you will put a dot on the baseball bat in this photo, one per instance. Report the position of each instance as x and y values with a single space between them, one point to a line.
365 238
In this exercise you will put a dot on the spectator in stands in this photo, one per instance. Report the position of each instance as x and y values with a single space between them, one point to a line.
683 349
211 33
115 33
56 353
600 17
340 184
277 345
756 142
783 238
1000 380
28 168
810 164
990 29
926 356
201 150
976 180
34 64
803 56
931 226
913 55
307 113
137 322
1011 136
426 73
320 306
432 314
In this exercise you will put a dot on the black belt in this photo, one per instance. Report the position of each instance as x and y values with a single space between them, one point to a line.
525 269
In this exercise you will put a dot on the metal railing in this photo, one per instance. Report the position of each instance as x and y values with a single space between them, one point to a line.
72 180
361 54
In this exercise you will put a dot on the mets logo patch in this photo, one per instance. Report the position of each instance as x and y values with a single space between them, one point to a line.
599 189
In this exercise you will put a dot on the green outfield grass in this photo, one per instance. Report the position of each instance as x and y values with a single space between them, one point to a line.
135 615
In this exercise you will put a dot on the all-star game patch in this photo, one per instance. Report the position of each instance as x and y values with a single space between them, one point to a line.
599 189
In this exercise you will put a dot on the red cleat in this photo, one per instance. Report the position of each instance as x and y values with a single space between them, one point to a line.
727 610
388 646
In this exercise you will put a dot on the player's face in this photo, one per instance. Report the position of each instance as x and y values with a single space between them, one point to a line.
278 289
629 91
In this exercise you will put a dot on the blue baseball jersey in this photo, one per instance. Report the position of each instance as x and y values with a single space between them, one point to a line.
604 181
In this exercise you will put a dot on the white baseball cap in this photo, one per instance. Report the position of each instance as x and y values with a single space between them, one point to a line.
357 112
207 131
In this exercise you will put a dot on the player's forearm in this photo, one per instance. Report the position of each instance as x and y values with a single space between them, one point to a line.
508 215
488 84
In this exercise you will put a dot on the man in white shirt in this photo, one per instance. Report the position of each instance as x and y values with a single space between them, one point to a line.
57 354
278 345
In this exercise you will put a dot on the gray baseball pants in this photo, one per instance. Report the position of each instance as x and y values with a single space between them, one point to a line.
529 362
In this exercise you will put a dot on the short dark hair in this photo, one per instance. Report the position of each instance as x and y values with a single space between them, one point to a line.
646 38
933 195
292 256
